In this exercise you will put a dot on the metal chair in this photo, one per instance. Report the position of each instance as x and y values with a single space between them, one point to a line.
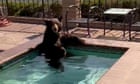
135 22
119 16
86 21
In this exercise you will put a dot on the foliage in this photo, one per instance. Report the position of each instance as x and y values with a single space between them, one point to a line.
128 4
84 10
30 9
94 13
24 10
56 9
12 8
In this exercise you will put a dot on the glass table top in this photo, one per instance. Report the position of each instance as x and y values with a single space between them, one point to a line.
118 11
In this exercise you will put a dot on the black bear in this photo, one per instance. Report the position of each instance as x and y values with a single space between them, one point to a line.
51 46
71 40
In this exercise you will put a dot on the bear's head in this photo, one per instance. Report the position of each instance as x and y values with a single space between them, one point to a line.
53 25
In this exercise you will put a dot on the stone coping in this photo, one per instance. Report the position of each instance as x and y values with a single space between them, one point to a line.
12 53
124 71
94 24
30 20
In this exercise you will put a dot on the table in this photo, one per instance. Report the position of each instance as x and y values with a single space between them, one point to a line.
125 12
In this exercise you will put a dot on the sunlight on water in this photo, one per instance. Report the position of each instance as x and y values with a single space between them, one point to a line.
78 70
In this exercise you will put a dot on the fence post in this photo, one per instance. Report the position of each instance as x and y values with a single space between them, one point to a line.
43 9
7 7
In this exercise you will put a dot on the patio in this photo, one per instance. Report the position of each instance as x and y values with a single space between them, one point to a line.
18 33
97 33
18 38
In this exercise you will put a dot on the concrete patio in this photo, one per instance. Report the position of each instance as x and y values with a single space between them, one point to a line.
97 33
18 33
18 38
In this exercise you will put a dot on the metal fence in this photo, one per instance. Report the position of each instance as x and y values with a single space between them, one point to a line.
113 3
105 4
53 8
30 8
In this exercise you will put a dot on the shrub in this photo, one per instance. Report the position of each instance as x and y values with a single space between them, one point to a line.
84 10
13 8
29 10
56 9
22 9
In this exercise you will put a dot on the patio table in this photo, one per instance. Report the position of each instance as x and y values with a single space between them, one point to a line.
125 12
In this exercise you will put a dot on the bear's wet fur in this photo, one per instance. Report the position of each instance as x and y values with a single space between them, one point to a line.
71 40
51 47
50 36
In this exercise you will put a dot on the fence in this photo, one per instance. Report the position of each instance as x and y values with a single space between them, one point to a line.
53 8
31 8
105 4
113 3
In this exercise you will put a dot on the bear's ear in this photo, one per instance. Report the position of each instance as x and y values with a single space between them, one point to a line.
58 23
48 22
60 18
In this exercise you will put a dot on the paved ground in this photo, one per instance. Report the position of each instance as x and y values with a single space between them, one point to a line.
110 34
18 33
125 71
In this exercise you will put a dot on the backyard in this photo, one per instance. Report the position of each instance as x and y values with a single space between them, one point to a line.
108 56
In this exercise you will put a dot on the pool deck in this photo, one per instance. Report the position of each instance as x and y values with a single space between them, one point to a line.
18 38
126 70
18 33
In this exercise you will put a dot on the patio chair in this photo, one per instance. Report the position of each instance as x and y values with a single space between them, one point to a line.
135 20
121 16
86 21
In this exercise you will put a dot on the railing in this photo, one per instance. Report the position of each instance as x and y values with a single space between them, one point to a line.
53 8
105 4
113 3
31 8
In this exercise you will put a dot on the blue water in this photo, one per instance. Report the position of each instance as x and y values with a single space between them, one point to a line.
84 67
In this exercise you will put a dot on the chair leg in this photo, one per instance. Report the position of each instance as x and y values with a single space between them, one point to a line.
104 24
89 32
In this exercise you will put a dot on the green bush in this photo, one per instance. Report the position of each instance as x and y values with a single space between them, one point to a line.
13 8
94 13
126 4
84 10
56 9
30 9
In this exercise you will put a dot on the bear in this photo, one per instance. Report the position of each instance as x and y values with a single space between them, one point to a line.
54 44
51 46
71 40
51 35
